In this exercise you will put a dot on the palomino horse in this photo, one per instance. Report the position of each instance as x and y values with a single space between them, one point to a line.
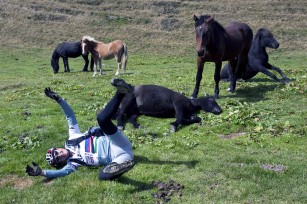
101 51
258 58
216 44
67 50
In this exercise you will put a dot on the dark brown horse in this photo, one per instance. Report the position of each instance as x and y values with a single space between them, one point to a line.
214 43
105 51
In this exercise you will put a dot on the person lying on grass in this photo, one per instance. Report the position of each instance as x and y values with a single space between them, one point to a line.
105 145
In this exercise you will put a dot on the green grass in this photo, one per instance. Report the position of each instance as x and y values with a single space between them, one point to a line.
214 164
212 169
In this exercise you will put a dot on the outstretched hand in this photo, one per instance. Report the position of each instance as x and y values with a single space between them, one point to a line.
52 94
33 171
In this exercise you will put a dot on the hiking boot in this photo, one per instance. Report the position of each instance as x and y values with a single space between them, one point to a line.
122 86
52 94
115 170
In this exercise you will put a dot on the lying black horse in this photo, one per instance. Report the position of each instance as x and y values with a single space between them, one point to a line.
258 59
161 102
66 50
215 43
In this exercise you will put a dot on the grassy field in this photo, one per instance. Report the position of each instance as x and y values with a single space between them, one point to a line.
254 152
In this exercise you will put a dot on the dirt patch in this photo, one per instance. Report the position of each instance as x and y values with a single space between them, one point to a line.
166 190
19 183
233 135
276 168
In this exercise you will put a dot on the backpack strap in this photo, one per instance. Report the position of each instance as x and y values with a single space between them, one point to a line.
93 131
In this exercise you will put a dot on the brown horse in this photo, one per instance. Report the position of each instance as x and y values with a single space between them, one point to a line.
101 51
216 44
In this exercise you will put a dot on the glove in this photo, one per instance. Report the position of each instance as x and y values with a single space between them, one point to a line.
52 94
33 171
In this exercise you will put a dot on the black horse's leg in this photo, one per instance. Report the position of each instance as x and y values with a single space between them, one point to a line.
284 77
268 73
66 66
200 68
85 57
225 73
179 117
235 70
133 121
65 70
92 63
217 78
190 120
120 119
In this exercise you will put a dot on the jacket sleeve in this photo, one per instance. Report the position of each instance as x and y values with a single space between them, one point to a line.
71 119
66 170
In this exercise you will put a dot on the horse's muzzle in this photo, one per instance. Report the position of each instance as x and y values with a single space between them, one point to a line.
217 111
276 45
201 52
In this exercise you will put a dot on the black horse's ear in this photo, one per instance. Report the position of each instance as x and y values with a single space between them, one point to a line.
206 94
210 19
195 18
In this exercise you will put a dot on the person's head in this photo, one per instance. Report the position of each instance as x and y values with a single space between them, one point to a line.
57 157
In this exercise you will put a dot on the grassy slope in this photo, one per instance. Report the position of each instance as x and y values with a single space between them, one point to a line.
211 168
164 27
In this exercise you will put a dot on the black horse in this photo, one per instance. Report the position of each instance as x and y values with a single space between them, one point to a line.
258 59
66 50
216 44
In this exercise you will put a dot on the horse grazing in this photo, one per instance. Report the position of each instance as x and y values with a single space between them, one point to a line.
66 50
215 43
161 102
100 50
258 59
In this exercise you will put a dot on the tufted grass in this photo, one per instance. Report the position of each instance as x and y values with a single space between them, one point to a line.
218 161
254 152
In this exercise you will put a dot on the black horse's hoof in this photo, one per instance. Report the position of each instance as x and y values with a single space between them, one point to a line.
139 127
231 90
193 96
173 128
195 119
285 80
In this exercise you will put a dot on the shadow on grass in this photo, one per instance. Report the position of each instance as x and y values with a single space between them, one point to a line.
141 186
145 160
138 185
127 72
253 94
267 80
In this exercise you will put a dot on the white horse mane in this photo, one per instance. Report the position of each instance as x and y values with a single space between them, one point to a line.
89 38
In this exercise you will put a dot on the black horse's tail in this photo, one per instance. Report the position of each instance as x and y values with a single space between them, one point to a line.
55 61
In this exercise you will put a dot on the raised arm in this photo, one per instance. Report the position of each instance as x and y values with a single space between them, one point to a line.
73 127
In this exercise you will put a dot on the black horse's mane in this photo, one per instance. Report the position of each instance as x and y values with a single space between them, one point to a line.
202 19
262 32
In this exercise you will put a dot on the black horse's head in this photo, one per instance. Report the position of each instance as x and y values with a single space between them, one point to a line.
266 38
207 104
202 25
55 65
